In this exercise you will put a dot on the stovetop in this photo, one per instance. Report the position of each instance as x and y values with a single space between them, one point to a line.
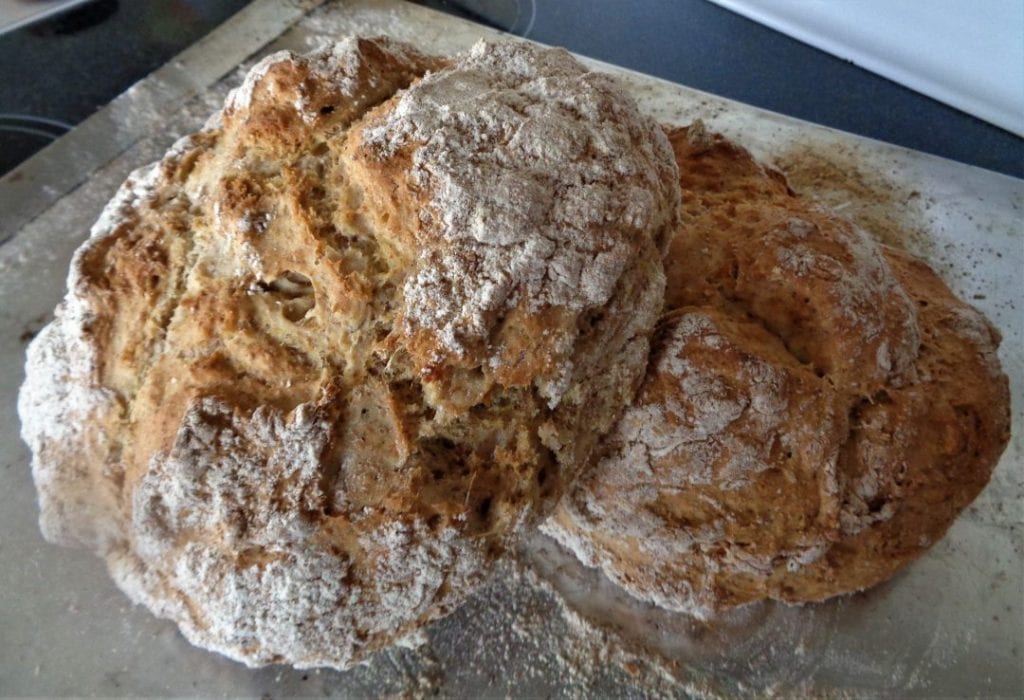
56 73
19 13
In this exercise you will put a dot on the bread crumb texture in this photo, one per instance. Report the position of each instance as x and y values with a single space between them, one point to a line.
319 365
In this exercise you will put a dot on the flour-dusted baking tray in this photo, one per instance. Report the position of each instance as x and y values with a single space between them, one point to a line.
951 624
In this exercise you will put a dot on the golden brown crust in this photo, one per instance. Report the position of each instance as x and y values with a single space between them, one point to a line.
864 402
346 341
807 265
941 435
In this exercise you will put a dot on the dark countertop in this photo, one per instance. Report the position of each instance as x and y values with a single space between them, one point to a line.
65 68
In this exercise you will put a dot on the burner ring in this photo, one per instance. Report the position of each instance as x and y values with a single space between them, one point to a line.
513 16
43 127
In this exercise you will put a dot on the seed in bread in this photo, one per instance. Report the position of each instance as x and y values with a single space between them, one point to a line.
817 411
320 363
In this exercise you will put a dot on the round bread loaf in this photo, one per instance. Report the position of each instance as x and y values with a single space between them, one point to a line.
317 366
817 411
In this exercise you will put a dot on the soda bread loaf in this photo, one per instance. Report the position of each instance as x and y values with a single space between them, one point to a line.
319 364
817 411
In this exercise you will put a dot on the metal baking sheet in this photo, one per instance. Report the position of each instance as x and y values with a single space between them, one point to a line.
950 624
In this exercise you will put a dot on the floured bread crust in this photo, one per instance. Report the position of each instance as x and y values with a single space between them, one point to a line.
817 411
316 366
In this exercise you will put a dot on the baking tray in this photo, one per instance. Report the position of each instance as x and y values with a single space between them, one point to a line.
952 623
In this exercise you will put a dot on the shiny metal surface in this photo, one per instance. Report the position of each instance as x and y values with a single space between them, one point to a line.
951 624
18 13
